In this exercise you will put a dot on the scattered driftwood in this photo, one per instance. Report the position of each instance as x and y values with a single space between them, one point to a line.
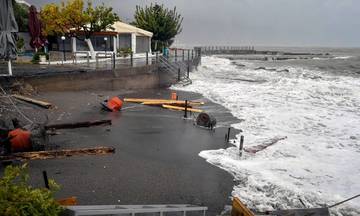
42 155
255 149
181 108
78 124
40 103
162 101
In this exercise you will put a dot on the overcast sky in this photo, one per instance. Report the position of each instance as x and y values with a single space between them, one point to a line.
258 22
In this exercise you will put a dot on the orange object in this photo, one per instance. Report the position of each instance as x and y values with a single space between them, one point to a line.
114 104
20 140
70 201
173 96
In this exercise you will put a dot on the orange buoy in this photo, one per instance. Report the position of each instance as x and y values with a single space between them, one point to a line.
20 140
114 104
173 96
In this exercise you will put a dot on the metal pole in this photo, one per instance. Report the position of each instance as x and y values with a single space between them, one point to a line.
157 56
192 54
113 57
188 55
132 59
188 70
64 50
186 105
46 180
183 55
178 74
147 58
241 145
228 135
175 55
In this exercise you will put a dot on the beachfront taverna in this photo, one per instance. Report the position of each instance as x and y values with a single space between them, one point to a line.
123 36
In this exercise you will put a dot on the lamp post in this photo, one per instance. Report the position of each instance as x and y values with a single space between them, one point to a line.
105 39
63 42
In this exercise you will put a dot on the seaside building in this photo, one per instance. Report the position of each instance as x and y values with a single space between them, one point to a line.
123 36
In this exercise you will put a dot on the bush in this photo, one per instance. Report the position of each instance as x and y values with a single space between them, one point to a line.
20 45
18 198
36 57
124 52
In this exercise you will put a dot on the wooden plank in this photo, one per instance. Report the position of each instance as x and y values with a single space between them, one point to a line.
165 101
257 148
78 124
42 155
177 103
239 209
40 103
182 108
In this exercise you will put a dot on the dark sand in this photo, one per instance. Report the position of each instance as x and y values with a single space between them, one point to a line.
156 159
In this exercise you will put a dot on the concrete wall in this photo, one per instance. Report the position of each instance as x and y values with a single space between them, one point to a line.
146 77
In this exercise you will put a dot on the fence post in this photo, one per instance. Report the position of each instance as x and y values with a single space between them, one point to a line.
179 75
131 59
46 180
188 55
88 58
97 60
186 105
147 58
192 54
175 55
113 58
241 145
183 55
157 56
188 70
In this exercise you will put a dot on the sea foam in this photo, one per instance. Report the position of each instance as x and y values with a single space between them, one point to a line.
318 112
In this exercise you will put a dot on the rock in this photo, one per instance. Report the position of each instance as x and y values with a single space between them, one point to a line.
353 137
284 70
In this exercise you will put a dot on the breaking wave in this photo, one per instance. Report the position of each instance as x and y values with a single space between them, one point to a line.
318 112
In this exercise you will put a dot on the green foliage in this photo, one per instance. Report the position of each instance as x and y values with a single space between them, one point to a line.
72 18
124 52
164 23
17 198
21 12
36 57
20 43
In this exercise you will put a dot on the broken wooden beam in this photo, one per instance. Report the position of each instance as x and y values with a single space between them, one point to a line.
181 108
42 155
257 148
162 101
40 103
78 124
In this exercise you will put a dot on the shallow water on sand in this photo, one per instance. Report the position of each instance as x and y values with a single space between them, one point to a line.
315 104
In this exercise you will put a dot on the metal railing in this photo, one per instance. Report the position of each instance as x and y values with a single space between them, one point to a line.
133 210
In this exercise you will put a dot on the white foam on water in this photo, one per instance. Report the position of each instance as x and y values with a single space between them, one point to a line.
319 162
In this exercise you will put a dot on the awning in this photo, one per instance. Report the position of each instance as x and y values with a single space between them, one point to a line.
123 28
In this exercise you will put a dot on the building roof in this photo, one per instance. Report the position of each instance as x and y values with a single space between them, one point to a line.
121 27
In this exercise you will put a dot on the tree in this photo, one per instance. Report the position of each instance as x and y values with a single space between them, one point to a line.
164 23
74 19
21 12
17 197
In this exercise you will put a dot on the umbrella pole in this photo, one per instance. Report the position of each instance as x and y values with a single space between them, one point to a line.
10 68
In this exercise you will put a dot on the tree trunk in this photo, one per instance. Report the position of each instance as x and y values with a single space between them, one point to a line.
91 48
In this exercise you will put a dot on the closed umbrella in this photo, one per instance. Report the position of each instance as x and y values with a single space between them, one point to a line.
8 28
35 29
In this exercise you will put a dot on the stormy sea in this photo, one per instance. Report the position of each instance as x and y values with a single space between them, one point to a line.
310 107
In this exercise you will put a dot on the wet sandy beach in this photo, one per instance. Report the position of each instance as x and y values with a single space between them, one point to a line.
156 159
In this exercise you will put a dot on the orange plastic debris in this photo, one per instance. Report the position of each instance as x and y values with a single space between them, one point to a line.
20 140
114 104
173 96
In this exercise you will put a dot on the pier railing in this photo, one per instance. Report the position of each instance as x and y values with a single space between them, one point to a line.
231 50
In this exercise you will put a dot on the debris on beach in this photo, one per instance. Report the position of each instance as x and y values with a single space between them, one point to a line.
206 120
113 105
180 108
42 155
266 144
163 101
78 124
40 103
